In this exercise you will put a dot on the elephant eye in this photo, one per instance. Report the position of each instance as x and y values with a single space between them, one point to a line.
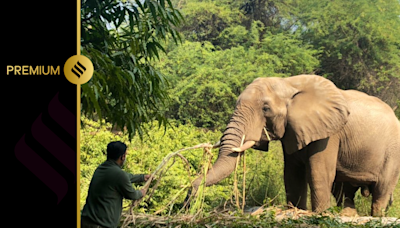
265 108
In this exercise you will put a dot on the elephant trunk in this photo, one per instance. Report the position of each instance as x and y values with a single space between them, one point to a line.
226 161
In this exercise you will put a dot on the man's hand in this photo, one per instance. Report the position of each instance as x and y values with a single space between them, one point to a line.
144 191
147 177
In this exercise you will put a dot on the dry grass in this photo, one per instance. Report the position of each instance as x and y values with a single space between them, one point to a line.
158 174
260 217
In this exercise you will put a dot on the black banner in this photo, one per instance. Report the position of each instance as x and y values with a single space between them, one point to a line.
40 114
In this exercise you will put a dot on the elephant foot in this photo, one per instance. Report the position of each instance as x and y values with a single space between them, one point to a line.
377 211
349 212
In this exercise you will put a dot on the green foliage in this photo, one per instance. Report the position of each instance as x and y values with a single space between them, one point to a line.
205 20
234 36
360 42
144 156
207 80
122 39
267 12
265 182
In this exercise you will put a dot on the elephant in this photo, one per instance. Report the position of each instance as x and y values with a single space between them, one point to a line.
327 135
344 193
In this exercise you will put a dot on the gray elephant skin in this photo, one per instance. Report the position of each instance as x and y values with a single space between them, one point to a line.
327 134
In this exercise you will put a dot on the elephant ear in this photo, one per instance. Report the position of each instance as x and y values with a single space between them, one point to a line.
317 111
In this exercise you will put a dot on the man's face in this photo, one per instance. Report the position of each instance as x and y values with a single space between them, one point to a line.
123 158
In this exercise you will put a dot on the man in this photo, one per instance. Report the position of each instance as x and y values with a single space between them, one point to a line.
109 185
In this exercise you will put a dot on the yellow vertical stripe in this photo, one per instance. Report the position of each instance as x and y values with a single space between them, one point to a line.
78 118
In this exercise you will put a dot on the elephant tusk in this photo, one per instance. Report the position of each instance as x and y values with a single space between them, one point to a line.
217 144
244 147
266 133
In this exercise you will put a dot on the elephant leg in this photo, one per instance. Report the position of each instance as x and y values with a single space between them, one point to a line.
338 193
295 182
345 191
381 197
382 191
321 171
380 200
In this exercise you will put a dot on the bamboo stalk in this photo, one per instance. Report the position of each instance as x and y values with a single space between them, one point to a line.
241 144
236 190
244 182
199 196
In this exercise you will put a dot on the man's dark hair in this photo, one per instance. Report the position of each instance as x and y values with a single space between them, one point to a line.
115 150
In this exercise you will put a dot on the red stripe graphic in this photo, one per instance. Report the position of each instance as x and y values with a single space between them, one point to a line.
53 144
41 169
56 146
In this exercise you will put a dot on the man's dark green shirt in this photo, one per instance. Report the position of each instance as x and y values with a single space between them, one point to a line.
109 185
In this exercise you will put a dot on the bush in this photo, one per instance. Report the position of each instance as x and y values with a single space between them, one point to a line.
265 177
144 156
207 80
263 172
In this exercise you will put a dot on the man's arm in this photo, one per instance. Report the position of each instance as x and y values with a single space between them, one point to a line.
138 177
126 189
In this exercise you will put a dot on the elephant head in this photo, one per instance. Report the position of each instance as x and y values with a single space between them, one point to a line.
296 110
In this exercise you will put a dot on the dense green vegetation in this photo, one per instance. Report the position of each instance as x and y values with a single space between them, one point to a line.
230 43
264 171
207 79
151 68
